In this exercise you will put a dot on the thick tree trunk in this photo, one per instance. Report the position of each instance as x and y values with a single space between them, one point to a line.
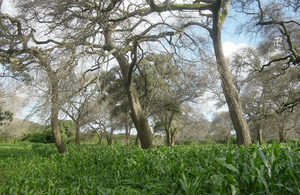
139 119
173 137
232 96
54 118
137 140
109 139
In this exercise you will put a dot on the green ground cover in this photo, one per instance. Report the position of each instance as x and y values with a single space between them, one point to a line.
194 169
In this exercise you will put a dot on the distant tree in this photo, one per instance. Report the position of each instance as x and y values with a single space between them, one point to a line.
192 124
265 90
80 105
165 85
5 115
277 22
221 127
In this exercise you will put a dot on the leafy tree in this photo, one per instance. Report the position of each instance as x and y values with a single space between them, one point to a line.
49 59
265 90
5 115
105 28
81 105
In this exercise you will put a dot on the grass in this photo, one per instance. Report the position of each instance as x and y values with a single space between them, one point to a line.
195 169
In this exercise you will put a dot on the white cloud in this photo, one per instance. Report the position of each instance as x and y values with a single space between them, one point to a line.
229 48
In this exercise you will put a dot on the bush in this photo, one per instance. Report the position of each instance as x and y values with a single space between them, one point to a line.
39 137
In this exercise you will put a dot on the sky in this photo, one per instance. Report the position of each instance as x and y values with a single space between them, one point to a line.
231 43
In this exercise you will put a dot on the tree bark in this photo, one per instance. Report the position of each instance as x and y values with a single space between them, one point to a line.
77 136
282 132
232 96
127 134
259 134
54 117
139 119
173 137
137 140
168 138
109 139
99 136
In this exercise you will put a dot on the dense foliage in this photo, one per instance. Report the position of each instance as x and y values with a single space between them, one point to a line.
40 134
194 169
5 115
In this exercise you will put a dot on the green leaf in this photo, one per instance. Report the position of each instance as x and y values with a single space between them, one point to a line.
266 162
231 167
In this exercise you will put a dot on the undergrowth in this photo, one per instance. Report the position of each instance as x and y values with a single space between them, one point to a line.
194 169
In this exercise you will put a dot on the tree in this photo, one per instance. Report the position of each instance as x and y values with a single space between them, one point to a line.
123 31
52 57
219 10
278 24
263 91
81 105
165 85
192 124
221 127
5 115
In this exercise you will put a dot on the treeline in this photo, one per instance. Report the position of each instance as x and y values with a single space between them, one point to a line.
113 66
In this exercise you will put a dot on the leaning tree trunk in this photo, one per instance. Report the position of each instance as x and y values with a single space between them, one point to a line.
139 119
232 96
99 136
137 140
54 118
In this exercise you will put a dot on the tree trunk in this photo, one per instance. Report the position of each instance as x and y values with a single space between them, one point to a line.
77 137
139 119
232 96
282 132
54 118
259 135
137 140
168 136
228 138
127 134
99 136
173 137
109 139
